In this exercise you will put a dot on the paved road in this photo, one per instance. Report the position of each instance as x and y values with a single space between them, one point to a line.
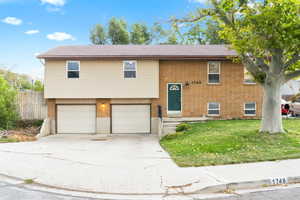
18 192
281 194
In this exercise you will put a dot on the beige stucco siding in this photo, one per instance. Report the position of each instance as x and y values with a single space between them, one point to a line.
102 79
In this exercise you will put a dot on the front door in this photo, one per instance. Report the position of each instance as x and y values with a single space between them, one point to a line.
174 98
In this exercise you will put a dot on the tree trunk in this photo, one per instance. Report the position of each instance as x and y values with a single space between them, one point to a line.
271 111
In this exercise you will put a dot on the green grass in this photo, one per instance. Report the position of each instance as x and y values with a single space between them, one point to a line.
231 141
28 181
7 140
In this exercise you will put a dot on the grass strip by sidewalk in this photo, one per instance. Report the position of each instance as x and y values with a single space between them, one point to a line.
8 140
231 141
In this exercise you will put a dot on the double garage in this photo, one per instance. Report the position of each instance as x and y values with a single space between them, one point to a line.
131 118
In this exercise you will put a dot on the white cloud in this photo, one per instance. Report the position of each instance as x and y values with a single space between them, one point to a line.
31 32
12 20
54 2
60 36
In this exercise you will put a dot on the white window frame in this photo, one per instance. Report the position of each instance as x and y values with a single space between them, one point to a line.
208 73
213 109
244 80
249 109
67 70
135 69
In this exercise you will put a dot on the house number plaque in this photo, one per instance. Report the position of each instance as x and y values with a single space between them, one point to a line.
193 82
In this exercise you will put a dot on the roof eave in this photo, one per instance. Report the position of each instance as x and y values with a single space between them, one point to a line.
185 57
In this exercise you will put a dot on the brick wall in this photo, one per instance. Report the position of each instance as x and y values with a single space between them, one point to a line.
231 93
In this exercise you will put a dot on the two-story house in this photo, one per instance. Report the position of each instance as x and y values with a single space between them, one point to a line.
119 88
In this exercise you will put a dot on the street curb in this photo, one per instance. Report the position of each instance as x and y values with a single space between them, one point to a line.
245 185
221 188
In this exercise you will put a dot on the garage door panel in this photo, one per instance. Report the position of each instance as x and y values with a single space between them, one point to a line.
131 118
76 118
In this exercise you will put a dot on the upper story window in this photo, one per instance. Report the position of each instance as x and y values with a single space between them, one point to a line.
73 69
214 72
213 108
248 78
250 109
129 68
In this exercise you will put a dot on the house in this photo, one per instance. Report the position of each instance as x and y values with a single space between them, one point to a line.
290 89
128 88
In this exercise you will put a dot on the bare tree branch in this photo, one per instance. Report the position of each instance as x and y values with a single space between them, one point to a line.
292 75
189 19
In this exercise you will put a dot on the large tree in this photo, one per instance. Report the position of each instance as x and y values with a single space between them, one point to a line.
117 31
98 35
266 36
211 33
139 34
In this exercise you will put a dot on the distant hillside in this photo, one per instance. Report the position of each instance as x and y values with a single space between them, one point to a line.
21 81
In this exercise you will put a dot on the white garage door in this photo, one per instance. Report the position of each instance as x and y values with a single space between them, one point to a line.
130 118
76 119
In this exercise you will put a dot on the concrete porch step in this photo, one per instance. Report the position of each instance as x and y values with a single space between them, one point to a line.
169 124
167 130
184 119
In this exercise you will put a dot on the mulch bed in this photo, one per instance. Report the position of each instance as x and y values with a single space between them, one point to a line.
20 134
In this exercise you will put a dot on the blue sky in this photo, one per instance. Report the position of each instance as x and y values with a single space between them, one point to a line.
28 27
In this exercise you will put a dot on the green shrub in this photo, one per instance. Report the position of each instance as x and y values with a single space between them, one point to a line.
28 123
182 127
8 106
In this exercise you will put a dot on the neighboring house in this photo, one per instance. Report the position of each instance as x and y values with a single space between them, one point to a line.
118 88
290 89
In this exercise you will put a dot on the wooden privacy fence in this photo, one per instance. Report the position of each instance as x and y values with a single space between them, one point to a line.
31 105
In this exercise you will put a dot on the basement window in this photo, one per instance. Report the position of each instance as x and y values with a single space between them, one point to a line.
213 109
214 72
129 68
250 109
73 69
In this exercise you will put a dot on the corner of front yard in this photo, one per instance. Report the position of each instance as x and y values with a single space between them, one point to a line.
232 141
22 131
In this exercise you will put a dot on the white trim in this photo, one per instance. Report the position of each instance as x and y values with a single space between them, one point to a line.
219 62
135 69
213 109
67 70
174 112
249 109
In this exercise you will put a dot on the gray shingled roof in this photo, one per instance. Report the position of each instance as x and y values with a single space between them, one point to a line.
139 51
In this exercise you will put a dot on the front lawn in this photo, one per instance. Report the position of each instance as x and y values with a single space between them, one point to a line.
232 141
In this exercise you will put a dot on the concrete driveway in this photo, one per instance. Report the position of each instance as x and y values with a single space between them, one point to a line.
119 164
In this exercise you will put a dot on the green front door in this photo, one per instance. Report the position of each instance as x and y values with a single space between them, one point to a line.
174 97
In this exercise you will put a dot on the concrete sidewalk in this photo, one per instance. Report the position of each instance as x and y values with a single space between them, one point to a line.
127 164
